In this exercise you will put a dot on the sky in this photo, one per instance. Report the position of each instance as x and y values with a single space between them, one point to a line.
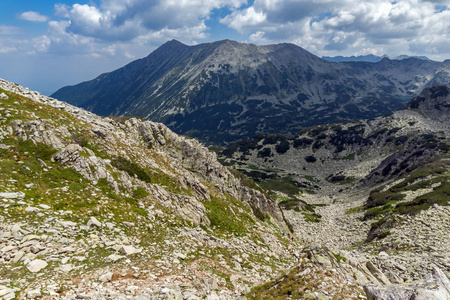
45 45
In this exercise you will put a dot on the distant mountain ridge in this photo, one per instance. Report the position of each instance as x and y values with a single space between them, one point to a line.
224 91
369 58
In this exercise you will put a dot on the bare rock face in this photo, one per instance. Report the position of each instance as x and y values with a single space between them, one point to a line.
194 156
437 287
434 102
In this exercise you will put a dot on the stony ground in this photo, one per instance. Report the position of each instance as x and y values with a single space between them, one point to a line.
93 208
167 221
336 229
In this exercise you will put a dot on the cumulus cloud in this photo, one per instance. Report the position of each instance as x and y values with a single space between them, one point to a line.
344 25
117 20
33 16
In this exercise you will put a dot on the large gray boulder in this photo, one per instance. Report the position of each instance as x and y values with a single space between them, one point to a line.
437 287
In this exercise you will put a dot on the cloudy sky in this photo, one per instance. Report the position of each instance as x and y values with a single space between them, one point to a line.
45 45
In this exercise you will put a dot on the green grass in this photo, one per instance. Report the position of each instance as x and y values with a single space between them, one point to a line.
381 202
354 210
310 178
131 168
377 199
223 219
285 185
140 193
440 196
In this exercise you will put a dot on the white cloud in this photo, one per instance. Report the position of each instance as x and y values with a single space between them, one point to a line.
6 49
33 16
119 20
240 20
9 30
335 27
62 10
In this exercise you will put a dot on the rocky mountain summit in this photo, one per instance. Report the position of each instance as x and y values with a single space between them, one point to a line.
122 208
225 91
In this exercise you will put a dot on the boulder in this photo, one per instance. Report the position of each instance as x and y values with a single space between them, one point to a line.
94 222
128 250
114 257
66 268
36 265
15 195
34 293
106 277
437 287
377 273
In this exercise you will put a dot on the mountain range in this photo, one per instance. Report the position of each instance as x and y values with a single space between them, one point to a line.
369 58
224 91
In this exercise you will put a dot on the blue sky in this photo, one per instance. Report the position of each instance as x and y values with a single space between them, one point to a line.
45 45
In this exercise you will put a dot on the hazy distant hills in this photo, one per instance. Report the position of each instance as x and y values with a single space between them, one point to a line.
369 58
225 91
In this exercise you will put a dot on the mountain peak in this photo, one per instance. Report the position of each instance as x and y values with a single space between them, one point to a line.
434 102
241 89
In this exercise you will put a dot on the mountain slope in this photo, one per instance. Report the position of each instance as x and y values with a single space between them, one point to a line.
120 208
224 91
379 189
112 208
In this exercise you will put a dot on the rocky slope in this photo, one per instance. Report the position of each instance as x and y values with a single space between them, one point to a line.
225 91
376 190
113 208
328 158
122 208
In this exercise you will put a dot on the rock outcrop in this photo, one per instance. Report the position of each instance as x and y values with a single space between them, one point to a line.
437 287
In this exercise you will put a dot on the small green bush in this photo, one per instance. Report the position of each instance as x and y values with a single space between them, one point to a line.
131 168
140 193
310 159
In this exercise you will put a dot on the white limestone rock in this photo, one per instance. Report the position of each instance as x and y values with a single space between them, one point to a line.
106 277
66 268
93 222
37 265
15 195
114 257
129 250
34 293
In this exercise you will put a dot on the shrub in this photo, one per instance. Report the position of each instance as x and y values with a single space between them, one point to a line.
266 152
258 213
310 159
302 142
131 168
140 193
381 198
283 146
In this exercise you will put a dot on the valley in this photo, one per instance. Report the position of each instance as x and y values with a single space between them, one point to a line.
97 207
